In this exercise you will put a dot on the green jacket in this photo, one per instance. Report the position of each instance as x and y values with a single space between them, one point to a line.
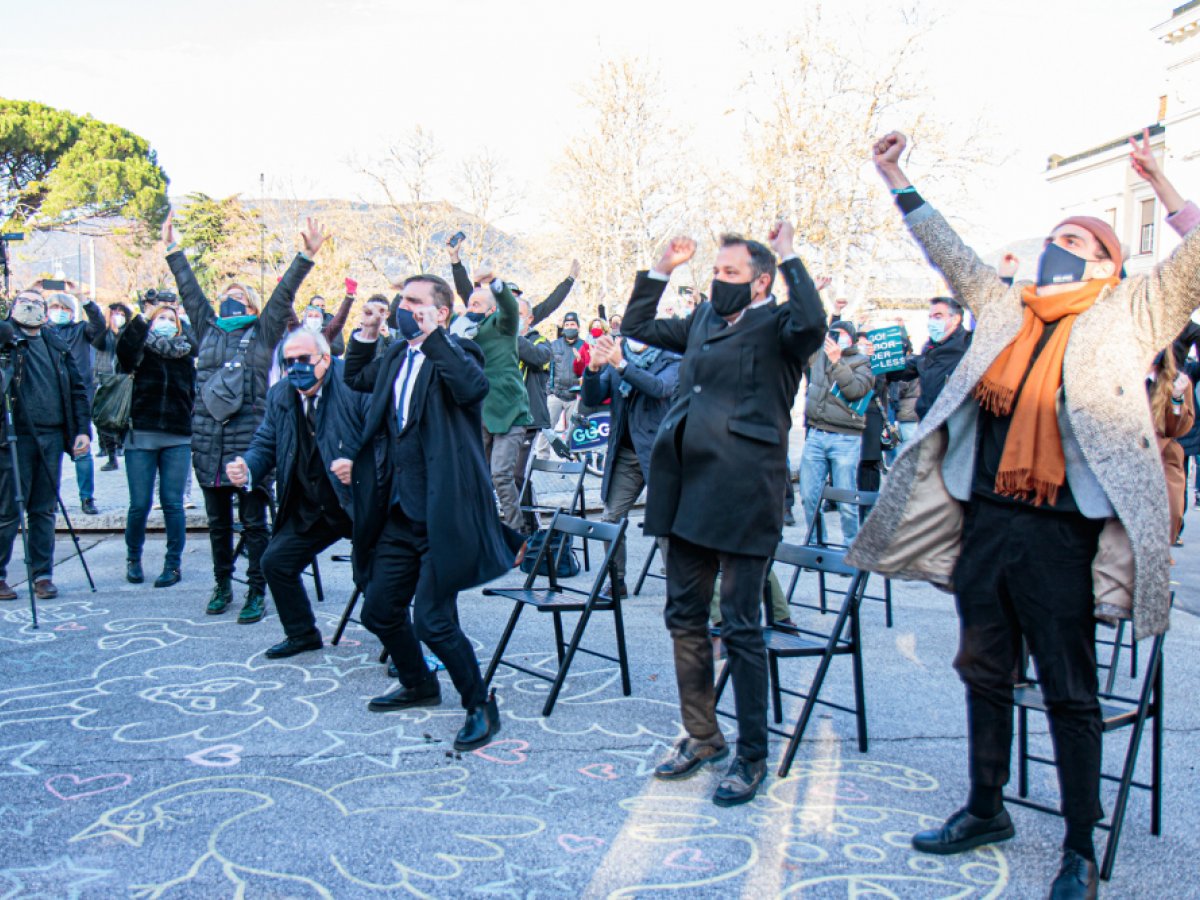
507 401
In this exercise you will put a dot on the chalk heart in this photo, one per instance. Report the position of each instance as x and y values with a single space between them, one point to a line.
70 626
689 859
71 787
218 756
577 843
506 753
601 771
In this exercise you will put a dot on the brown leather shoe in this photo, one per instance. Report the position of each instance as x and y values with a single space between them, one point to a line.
6 592
44 589
690 754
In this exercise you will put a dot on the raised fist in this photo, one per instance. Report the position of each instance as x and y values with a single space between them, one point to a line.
782 237
678 251
886 151
168 229
1009 263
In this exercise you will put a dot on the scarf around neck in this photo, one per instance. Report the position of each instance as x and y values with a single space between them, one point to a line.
230 324
175 347
643 360
1032 466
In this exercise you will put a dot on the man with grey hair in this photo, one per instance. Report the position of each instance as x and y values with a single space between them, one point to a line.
309 435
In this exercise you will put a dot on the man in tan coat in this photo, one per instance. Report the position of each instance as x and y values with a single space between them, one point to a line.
1038 490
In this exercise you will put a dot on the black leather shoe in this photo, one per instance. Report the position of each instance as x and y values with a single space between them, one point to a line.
291 646
963 831
741 782
482 723
168 578
111 465
89 507
427 693
1077 878
133 571
689 755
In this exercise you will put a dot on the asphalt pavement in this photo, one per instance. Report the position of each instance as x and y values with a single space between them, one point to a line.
147 749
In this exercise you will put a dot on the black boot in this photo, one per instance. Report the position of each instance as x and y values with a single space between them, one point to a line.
133 571
482 723
222 596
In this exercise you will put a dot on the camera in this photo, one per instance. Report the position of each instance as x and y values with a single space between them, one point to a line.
154 297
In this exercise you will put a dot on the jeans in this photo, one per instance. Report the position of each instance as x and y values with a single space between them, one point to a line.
825 453
252 509
402 577
85 477
691 575
39 487
171 466
1026 572
287 555
502 452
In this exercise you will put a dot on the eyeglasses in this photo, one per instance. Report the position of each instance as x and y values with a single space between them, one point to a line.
290 361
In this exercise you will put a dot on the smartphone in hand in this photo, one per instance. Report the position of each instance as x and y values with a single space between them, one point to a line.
457 239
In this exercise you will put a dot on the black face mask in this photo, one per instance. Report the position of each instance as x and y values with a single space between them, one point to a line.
570 333
727 298
1059 266
231 307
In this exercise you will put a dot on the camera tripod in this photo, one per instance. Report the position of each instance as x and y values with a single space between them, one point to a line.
10 383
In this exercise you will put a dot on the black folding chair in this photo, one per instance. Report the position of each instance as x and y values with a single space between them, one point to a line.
861 500
646 573
557 599
313 571
796 642
564 468
1130 709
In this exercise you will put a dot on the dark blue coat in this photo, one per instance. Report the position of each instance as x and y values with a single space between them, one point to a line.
641 412
340 414
468 544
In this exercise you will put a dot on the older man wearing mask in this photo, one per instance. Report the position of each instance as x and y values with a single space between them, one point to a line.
236 342
50 414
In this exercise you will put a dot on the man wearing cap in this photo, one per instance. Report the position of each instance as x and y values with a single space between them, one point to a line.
63 309
840 381
1034 490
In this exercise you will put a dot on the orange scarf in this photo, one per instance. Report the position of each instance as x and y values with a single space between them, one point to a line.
1032 465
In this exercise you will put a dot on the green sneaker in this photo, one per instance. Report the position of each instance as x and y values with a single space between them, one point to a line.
222 596
255 607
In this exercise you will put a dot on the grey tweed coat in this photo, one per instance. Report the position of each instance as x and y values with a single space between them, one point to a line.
915 530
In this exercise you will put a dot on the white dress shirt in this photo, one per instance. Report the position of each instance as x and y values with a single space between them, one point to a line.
415 361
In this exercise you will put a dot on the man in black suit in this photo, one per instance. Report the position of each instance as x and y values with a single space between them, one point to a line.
310 433
425 519
725 436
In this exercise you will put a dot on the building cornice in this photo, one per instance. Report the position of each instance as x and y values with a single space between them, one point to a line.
1183 24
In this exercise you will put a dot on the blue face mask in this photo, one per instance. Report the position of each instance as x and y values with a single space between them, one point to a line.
937 330
60 317
231 307
477 317
406 324
302 375
1059 266
164 328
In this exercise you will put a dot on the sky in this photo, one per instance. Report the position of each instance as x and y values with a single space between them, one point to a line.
227 89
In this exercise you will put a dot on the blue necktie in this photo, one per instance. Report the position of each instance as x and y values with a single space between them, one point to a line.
408 363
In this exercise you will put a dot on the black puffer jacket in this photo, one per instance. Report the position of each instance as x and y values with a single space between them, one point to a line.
215 443
164 390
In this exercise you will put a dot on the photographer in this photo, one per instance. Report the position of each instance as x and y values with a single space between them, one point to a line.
50 414
236 343
161 357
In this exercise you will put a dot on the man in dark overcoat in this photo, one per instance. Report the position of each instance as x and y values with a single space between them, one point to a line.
725 436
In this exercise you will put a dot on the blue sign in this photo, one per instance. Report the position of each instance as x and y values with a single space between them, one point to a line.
591 436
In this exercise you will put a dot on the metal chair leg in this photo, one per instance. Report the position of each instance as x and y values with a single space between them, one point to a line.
498 655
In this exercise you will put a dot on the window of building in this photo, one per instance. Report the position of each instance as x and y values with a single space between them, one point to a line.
1146 233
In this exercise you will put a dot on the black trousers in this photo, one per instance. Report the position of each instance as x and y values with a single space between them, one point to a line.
39 487
402 577
691 574
1025 572
252 510
286 557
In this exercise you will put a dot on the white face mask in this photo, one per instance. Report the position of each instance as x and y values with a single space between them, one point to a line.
844 341
118 321
313 323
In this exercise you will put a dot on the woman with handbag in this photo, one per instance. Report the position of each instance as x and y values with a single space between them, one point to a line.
105 344
160 360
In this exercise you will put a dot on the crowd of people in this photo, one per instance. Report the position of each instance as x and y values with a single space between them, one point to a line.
1046 445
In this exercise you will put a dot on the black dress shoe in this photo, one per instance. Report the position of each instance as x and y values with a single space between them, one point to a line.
133 571
1077 878
689 754
89 507
111 465
788 517
963 831
168 578
741 782
291 646
427 693
482 723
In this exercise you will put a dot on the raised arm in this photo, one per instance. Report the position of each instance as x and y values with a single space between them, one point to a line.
362 363
199 310
550 305
460 365
508 313
96 325
335 325
802 325
640 322
972 281
273 319
462 278
130 342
